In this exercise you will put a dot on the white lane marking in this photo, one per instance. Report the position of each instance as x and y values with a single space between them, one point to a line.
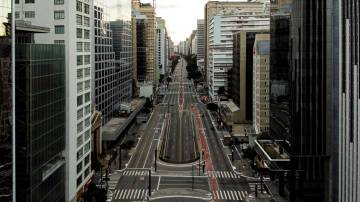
128 193
239 194
135 194
232 195
244 194
221 194
121 193
157 188
236 196
228 193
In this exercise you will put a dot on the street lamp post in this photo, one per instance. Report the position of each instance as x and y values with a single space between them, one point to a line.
120 160
149 182
155 159
192 178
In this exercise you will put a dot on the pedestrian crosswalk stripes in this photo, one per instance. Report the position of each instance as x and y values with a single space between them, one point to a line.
135 173
229 195
130 194
223 174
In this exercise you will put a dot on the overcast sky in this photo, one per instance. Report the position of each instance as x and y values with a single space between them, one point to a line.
180 15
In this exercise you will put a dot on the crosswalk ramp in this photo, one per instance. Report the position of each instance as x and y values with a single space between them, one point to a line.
223 174
230 195
130 194
135 173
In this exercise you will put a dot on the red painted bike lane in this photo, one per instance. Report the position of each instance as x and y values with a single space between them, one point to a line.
214 186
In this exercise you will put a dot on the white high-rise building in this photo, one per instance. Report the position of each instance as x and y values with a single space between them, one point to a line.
221 30
71 23
200 46
161 45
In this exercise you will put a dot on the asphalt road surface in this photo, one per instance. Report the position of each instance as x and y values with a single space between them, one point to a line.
180 143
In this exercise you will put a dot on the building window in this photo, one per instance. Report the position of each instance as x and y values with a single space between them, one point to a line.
29 1
87 109
86 34
87 171
17 14
86 9
79 141
78 33
86 21
86 46
58 2
78 19
87 85
79 154
79 168
87 147
87 59
80 127
79 100
17 1
78 6
79 46
59 15
79 73
87 159
59 42
87 97
59 29
87 122
80 88
29 14
87 135
79 60
87 72
79 180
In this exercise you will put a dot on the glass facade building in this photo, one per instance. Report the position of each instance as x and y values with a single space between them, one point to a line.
40 122
5 102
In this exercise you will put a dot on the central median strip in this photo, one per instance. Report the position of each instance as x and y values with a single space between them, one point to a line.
214 186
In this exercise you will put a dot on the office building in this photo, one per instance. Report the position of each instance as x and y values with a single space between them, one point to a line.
346 185
40 119
161 55
139 48
213 8
261 83
242 72
200 46
194 44
147 10
220 53
70 23
6 104
279 73
122 38
104 74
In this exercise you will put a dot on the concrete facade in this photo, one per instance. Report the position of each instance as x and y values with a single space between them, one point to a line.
261 83
70 23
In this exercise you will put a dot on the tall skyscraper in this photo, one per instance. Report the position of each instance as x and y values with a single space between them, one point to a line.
139 48
104 74
343 93
200 47
71 24
213 8
148 11
6 103
242 72
161 56
220 53
122 38
40 119
261 85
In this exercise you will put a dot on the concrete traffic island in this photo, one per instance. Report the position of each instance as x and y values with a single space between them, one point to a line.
174 194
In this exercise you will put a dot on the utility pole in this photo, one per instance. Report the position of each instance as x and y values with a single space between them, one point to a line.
199 165
232 153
